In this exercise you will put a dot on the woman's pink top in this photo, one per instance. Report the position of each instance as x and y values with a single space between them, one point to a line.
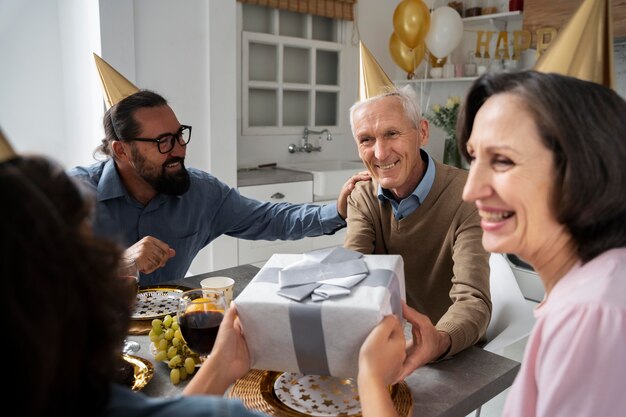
575 359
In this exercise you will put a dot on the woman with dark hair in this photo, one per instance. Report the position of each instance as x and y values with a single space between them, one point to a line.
547 175
66 320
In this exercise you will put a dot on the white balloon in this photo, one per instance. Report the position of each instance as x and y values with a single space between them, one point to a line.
446 31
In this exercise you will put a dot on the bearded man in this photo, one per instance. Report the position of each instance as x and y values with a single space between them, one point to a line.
165 213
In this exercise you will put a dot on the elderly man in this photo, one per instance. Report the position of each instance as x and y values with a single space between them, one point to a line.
165 213
413 207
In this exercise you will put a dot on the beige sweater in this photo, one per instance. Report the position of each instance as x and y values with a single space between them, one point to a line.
446 268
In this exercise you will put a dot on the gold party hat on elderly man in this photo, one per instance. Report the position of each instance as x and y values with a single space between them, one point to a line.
115 86
372 79
584 47
6 150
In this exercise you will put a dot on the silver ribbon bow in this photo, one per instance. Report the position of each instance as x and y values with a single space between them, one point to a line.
322 274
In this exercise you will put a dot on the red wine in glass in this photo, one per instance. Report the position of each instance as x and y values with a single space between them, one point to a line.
200 313
199 329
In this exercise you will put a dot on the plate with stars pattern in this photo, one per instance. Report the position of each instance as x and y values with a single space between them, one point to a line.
320 396
154 302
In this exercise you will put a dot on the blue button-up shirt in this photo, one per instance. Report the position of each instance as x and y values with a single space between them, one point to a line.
410 203
189 222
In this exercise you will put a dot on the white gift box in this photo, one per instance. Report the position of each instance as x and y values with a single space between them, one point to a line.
323 337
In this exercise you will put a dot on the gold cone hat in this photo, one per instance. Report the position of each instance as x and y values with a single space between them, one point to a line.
114 85
6 150
372 79
584 46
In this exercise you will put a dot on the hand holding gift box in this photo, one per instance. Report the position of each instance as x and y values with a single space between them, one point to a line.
318 337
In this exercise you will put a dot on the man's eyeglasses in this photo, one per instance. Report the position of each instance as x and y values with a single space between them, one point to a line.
165 142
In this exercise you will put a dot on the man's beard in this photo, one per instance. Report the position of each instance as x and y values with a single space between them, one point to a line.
176 183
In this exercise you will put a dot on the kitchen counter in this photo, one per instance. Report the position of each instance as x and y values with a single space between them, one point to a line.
271 175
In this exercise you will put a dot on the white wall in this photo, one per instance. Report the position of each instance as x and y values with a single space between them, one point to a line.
31 77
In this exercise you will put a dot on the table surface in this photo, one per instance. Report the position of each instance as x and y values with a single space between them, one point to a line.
450 388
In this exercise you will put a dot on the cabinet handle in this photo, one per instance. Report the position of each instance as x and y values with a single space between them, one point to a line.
277 196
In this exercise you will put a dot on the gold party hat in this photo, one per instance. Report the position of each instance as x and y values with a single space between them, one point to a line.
372 79
584 47
6 150
115 86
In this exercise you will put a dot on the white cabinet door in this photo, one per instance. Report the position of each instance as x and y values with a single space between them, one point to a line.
255 251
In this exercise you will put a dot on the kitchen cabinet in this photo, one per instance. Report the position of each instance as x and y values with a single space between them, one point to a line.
290 66
256 252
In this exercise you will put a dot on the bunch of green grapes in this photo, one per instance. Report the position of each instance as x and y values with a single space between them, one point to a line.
171 348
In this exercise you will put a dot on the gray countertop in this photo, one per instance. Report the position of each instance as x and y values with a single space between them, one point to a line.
453 387
271 175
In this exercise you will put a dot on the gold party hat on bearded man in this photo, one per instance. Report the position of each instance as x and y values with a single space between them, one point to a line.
372 79
115 86
6 150
584 47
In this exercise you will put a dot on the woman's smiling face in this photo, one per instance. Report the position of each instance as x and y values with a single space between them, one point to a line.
511 179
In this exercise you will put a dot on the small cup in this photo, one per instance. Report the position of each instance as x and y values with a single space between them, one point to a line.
224 284
448 71
436 72
458 70
470 70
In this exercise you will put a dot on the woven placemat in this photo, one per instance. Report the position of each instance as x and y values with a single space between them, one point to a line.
256 391
139 327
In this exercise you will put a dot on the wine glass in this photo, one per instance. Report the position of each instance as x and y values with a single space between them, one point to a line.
200 313
129 272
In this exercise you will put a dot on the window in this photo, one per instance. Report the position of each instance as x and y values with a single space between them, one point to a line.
290 70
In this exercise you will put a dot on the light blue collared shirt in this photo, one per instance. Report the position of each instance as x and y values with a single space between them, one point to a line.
410 203
191 221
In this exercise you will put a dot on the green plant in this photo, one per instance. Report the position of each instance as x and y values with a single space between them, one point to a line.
445 116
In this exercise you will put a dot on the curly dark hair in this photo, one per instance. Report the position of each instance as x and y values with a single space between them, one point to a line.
66 320
584 125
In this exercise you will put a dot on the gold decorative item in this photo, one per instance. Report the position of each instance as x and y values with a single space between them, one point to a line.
584 47
372 79
143 371
257 391
405 58
114 85
6 150
436 62
545 37
411 21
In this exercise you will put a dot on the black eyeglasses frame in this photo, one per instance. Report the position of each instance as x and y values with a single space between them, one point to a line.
166 138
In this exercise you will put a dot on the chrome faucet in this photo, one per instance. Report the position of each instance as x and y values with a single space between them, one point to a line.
308 147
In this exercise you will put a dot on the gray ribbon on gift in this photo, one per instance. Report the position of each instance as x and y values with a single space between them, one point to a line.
305 319
322 274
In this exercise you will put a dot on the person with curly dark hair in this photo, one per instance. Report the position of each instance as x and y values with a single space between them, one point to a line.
66 319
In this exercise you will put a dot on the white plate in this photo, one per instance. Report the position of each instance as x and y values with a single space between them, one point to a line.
157 301
321 396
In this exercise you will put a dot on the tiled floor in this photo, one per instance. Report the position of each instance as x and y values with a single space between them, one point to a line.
515 351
